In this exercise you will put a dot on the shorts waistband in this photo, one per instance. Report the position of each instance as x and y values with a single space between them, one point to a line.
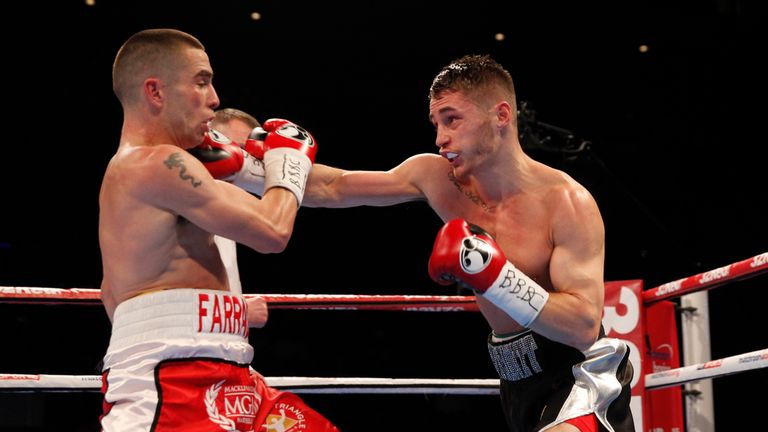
180 312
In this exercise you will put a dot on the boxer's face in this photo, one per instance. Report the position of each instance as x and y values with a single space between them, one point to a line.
464 131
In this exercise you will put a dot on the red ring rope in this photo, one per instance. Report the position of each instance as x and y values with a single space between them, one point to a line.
420 303
710 279
416 303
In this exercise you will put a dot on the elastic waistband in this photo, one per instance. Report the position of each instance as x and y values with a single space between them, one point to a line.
180 312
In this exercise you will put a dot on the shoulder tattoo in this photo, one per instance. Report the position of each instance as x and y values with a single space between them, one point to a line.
175 161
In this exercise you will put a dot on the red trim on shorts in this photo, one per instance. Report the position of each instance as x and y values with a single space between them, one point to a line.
106 407
585 423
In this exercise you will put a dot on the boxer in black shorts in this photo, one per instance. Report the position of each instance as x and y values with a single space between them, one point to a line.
544 383
537 262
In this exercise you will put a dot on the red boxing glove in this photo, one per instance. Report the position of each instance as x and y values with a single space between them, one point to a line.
283 133
465 253
289 152
221 157
254 144
227 161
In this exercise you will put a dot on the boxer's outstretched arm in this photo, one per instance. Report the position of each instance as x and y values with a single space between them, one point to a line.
333 187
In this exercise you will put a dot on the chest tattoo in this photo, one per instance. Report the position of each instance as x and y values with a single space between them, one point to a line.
469 194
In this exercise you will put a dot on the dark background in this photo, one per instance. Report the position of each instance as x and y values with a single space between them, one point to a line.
677 164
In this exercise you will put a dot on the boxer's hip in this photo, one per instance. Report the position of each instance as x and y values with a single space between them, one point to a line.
179 323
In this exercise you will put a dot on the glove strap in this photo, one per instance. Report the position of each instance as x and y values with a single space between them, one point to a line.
517 295
251 175
287 168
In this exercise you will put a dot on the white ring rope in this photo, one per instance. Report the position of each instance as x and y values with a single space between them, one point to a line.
711 369
385 385
306 385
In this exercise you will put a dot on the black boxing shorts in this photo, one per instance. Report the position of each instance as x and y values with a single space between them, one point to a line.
545 383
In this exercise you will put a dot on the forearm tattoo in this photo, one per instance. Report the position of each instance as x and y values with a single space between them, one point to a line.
469 194
175 161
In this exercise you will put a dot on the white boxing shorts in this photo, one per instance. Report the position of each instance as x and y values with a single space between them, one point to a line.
179 359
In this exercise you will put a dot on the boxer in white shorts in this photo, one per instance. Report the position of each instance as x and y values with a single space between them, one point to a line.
179 358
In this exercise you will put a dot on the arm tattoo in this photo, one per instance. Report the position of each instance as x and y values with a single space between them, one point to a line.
175 161
469 194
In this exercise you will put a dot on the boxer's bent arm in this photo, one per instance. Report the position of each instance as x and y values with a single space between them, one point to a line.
333 187
573 312
181 184
264 225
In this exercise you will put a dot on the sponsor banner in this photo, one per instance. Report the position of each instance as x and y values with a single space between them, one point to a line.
664 406
624 318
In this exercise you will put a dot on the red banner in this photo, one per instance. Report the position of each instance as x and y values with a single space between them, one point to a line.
664 406
624 318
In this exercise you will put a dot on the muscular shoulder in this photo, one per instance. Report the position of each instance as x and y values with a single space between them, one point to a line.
425 162
157 170
141 158
138 159
574 209
567 196
420 169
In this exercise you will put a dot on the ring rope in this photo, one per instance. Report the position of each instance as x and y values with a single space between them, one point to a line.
711 369
304 385
707 280
410 303
418 303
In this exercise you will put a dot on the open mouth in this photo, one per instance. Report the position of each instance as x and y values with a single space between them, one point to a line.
451 156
